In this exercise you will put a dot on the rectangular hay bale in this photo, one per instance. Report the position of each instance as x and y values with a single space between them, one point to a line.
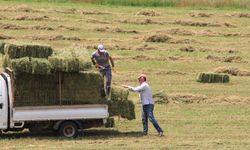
19 51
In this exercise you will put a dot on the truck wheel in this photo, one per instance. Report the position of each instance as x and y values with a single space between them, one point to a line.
68 129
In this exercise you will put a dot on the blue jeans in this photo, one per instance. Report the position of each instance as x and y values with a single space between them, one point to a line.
108 74
148 114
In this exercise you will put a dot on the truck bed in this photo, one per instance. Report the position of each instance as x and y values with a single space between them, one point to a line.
41 113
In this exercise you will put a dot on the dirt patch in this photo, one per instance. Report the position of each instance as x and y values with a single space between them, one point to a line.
233 71
187 49
158 38
200 14
4 37
35 18
148 13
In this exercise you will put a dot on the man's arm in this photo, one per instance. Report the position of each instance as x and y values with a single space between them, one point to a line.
93 60
112 61
137 89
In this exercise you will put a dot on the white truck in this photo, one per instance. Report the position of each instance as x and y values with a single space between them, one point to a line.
66 120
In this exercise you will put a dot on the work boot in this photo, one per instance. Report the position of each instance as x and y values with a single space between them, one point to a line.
160 134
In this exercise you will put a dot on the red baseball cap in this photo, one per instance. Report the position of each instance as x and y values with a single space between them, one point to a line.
141 75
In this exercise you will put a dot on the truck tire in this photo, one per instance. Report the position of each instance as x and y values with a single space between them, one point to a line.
68 129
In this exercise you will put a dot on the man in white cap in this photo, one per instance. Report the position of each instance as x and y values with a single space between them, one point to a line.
100 58
147 104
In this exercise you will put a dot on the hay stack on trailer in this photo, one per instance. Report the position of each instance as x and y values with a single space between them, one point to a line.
66 78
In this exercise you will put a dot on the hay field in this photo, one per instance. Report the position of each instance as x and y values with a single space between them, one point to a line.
171 46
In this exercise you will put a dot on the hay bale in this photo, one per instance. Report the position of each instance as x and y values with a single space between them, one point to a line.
82 88
125 109
76 88
212 78
69 64
36 90
30 65
18 51
2 47
119 93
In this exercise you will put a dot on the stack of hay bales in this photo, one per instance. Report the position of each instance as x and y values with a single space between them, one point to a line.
43 78
212 78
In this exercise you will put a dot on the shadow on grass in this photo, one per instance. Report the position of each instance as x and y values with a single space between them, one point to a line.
86 134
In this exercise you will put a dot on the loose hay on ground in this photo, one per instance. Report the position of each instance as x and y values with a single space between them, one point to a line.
233 71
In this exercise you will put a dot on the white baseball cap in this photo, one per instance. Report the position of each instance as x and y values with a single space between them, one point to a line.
100 47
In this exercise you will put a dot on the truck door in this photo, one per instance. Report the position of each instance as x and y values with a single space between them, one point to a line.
3 104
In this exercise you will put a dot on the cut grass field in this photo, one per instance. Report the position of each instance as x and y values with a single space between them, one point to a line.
221 121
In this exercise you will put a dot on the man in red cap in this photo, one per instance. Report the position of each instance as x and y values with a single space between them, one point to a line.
147 104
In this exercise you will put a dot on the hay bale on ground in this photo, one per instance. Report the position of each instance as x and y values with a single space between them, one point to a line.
212 78
18 51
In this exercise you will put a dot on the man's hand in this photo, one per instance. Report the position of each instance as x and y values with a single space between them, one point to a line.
97 65
113 69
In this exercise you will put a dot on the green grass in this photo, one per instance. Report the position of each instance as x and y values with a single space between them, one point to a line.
186 127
